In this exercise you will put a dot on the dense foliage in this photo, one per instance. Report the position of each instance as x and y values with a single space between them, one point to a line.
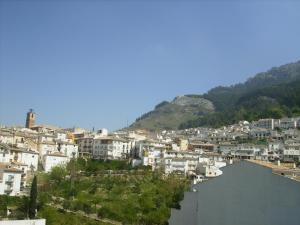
112 190
61 217
17 205
99 191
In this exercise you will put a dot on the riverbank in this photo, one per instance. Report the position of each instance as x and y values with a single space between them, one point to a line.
284 169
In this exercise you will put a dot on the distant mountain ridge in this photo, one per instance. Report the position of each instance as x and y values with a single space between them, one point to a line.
275 93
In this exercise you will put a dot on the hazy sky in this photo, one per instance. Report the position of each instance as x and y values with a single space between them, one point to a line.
104 63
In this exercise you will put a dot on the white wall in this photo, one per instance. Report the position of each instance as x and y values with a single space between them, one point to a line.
16 183
30 159
113 150
4 157
52 161
46 148
68 149
24 222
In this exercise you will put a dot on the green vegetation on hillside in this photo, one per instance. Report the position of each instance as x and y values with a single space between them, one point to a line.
276 101
168 115
61 217
112 190
97 192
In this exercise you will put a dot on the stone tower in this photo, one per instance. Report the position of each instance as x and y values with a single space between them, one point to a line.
30 119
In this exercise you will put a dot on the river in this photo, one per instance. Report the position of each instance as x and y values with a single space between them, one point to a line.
246 194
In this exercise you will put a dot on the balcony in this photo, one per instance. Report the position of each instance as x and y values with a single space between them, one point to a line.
8 190
9 181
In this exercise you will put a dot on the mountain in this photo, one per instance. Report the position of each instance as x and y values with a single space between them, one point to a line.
168 115
275 93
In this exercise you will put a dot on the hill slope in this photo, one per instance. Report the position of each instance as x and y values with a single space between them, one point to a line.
168 115
275 93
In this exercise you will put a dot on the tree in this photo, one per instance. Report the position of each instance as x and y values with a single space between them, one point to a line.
3 206
58 173
32 200
21 211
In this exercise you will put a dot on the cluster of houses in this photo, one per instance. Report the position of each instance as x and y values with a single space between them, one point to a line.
189 152
24 151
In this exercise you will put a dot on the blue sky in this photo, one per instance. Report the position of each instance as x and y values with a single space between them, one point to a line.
104 63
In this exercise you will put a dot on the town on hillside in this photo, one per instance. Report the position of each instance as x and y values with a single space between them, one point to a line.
198 153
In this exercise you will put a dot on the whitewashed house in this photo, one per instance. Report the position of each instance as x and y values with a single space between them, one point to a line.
10 180
180 154
13 154
288 123
291 152
260 133
266 124
85 146
4 153
275 146
176 165
225 149
46 147
67 148
184 165
208 169
54 159
152 157
25 156
110 148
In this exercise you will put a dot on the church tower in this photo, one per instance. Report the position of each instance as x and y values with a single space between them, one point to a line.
30 119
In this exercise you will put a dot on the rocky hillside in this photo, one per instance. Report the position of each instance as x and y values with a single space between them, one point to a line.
168 115
275 93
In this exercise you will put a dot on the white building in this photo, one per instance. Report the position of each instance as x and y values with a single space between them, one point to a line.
226 148
54 159
46 147
146 145
102 132
85 146
208 169
260 133
12 154
275 146
68 149
10 180
176 165
288 123
110 148
25 156
291 152
185 165
266 123
60 141
152 157
4 153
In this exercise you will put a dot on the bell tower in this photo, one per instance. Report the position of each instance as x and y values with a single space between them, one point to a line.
30 119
